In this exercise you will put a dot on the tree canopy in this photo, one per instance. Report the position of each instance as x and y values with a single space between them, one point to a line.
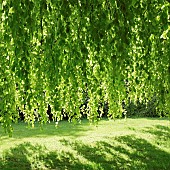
51 51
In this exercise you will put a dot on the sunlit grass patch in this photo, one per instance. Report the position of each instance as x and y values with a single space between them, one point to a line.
121 144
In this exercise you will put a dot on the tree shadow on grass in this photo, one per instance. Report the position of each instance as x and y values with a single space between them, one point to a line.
124 152
161 134
159 130
27 156
18 157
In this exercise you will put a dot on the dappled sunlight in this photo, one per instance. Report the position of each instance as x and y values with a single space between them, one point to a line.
135 148
89 133
161 135
125 152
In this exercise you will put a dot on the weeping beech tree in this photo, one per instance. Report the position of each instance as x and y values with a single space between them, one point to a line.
53 52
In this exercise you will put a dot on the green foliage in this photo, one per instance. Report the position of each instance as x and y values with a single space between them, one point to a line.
51 49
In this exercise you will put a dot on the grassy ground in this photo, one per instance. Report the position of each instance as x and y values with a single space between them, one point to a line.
139 143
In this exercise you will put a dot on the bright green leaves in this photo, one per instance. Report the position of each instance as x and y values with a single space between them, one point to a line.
66 53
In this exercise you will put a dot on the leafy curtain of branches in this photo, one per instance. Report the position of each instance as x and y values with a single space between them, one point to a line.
51 51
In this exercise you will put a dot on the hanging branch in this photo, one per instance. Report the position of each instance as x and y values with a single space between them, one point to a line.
87 44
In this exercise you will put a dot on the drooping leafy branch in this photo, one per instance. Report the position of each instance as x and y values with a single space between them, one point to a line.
52 51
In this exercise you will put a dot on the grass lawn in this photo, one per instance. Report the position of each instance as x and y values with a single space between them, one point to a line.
141 143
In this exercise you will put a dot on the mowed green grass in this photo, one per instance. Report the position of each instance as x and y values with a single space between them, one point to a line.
141 143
